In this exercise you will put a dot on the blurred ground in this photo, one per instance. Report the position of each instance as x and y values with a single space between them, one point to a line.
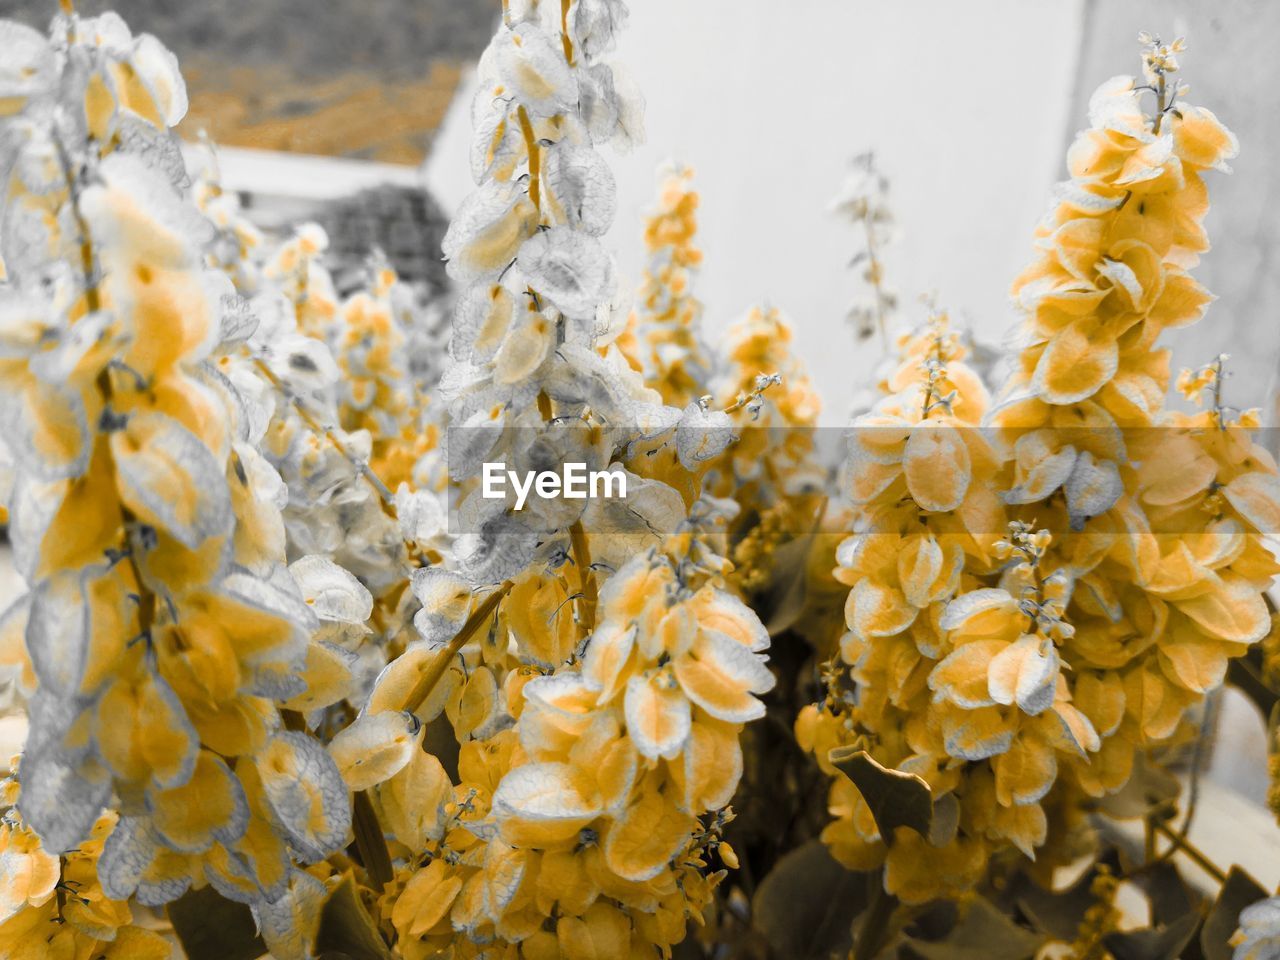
352 78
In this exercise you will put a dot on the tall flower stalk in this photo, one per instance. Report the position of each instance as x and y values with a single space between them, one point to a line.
1017 674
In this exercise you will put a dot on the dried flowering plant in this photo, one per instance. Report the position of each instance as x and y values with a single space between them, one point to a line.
297 684
863 199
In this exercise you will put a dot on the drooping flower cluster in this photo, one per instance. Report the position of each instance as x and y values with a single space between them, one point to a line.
922 475
773 455
599 806
598 723
56 907
1169 573
238 247
774 472
165 634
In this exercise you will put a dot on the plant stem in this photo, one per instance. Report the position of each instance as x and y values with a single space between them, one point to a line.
535 158
876 929
1194 854
363 468
371 842
873 269
564 31
586 579
1160 95
429 680
93 303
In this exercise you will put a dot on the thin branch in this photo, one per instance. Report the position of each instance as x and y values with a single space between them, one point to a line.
362 467
429 680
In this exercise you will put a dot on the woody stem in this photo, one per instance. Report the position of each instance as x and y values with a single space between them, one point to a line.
1194 854
535 158
429 680
586 578
564 31
873 267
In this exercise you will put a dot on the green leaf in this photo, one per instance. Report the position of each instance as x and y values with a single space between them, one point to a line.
211 927
1059 912
981 933
346 929
1162 943
1237 892
896 799
786 594
807 903
1167 893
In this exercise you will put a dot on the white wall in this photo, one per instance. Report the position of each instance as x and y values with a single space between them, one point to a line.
965 104
1232 70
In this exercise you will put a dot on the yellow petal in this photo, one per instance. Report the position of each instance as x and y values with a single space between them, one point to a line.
658 715
936 465
1076 364
649 833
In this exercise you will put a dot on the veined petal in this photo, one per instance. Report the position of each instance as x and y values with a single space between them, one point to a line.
658 715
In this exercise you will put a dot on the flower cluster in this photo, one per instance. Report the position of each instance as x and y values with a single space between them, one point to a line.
598 724
863 199
601 806
167 640
280 646
1013 673
663 337
913 689
1167 578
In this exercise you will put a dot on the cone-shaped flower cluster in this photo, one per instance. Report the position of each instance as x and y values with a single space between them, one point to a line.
1167 578
664 337
598 724
773 471
1011 672
163 630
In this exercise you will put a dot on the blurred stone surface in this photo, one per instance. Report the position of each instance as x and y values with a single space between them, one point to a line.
1232 68
403 222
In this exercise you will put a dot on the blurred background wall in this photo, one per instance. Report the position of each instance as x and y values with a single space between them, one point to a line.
965 105
1231 66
